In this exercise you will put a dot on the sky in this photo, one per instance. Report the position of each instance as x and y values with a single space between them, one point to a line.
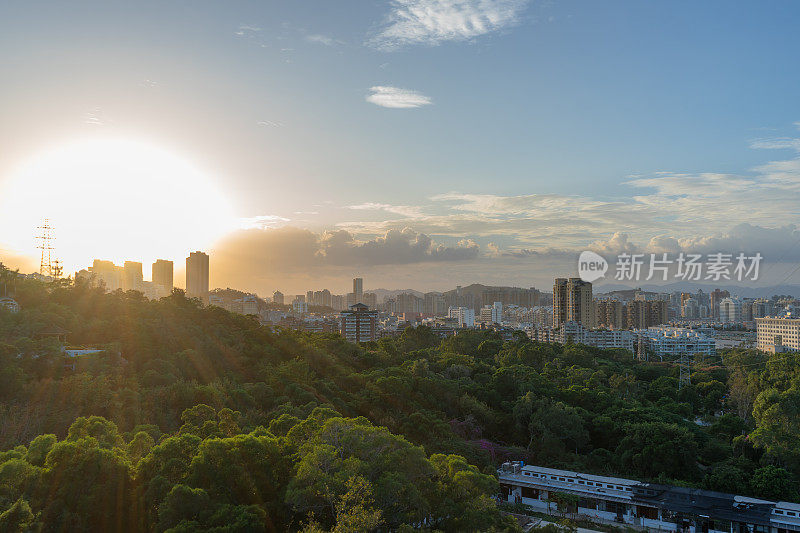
417 143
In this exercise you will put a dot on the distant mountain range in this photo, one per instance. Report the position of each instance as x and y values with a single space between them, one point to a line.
736 290
384 293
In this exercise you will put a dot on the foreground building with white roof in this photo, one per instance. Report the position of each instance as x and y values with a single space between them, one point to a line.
649 506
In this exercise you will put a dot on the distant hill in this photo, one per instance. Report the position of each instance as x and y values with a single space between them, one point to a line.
737 290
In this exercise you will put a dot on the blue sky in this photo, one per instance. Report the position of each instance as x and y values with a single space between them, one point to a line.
522 116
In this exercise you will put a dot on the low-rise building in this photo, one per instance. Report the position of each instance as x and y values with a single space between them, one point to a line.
464 315
779 333
9 304
676 342
655 507
300 306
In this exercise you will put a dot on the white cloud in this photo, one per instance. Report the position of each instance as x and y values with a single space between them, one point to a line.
245 29
394 97
431 22
318 38
780 143
262 222
405 210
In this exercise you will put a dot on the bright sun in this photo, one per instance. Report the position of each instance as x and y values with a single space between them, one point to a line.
113 199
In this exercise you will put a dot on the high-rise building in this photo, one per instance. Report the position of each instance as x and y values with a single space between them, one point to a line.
277 297
299 305
408 303
641 314
716 297
730 310
162 275
572 301
106 274
434 304
610 314
359 324
337 302
370 299
689 308
197 276
762 308
358 289
464 315
132 276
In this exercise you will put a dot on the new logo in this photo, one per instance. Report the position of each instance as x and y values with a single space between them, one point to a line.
591 266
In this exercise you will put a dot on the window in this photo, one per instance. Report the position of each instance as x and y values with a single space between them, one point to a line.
580 482
587 503
778 511
615 507
647 512
791 513
528 492
571 480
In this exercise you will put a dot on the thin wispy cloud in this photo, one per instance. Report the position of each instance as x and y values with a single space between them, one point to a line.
245 29
95 117
780 143
405 210
397 98
262 222
317 38
431 22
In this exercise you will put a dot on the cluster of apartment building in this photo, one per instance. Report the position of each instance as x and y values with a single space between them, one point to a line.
636 324
652 506
129 277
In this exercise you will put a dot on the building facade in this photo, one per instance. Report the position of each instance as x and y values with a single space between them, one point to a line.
676 342
652 506
778 334
572 301
359 324
464 315
730 310
162 275
197 276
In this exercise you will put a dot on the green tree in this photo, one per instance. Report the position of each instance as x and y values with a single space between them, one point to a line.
355 512
774 483
654 449
777 417
88 481
19 518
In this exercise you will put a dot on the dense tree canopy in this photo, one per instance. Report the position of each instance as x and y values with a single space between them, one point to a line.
197 419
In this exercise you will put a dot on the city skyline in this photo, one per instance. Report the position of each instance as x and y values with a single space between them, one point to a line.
422 143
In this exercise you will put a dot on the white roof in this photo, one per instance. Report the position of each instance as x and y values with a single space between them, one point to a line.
569 473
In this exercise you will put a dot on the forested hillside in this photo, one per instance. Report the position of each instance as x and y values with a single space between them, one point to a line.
197 419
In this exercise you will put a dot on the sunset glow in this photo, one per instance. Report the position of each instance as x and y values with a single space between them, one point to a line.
114 199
